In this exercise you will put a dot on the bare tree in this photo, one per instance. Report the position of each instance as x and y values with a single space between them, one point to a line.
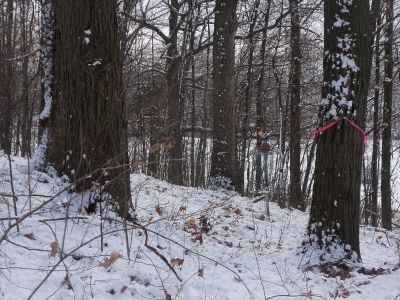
386 191
260 118
224 140
6 88
373 205
295 199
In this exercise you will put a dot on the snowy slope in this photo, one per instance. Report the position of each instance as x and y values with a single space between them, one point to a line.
221 245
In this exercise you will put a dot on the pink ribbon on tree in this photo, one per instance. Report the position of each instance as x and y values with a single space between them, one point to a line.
316 133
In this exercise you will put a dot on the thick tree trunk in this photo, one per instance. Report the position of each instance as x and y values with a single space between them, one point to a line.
386 191
334 216
295 199
87 126
223 152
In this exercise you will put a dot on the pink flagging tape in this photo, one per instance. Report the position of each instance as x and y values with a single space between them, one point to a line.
352 123
316 133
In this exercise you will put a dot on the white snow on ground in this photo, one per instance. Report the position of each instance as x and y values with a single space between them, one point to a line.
221 245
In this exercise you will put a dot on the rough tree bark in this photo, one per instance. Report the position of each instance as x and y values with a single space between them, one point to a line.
223 152
306 180
295 199
192 33
202 156
87 129
25 116
6 96
334 215
41 155
154 126
375 144
386 191
174 118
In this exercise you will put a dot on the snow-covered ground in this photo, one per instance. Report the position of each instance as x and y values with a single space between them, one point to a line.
221 246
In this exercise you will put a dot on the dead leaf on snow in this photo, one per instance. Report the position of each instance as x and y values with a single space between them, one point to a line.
200 273
159 210
229 244
205 224
110 260
238 211
123 289
30 236
53 248
196 238
191 221
177 262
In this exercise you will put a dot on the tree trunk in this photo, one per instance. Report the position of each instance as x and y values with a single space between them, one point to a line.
375 145
7 97
87 126
154 127
193 97
202 163
223 152
247 102
25 126
295 199
304 193
279 189
334 215
42 153
260 119
174 121
386 191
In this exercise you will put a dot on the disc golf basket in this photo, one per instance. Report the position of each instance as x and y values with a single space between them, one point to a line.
262 146
268 159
